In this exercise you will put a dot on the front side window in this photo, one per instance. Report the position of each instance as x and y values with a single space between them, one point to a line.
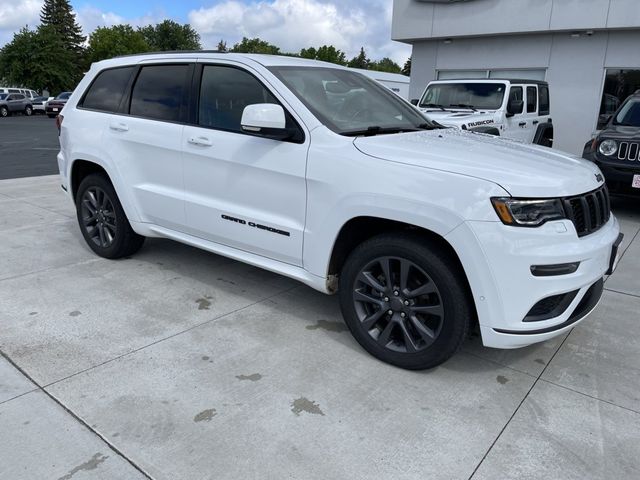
488 96
224 92
517 95
629 115
350 103
532 100
158 91
107 90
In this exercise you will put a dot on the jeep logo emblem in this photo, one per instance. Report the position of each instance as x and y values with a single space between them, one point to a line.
599 177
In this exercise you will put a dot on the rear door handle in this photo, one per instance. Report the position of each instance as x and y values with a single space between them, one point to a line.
535 122
200 141
119 126
523 124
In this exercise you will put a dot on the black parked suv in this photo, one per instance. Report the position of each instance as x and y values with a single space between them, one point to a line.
616 149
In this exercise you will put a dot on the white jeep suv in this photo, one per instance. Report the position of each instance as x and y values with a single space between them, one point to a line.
515 109
323 175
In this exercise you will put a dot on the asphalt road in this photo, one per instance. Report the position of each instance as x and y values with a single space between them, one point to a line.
28 146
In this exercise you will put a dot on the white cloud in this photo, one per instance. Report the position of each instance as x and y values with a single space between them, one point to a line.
90 18
15 14
294 24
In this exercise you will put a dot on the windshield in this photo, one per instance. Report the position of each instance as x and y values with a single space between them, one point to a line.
629 114
64 96
350 103
488 96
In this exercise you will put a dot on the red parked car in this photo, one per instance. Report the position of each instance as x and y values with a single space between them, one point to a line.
55 106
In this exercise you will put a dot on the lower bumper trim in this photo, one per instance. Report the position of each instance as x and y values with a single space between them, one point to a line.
588 303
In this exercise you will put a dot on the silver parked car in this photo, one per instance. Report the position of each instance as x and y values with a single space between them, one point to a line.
14 103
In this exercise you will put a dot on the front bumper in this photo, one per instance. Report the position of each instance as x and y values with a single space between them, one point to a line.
505 289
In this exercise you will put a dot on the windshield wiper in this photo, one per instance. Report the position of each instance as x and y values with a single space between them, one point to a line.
432 105
464 105
376 130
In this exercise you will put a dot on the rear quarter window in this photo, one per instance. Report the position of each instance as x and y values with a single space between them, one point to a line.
543 100
106 91
158 92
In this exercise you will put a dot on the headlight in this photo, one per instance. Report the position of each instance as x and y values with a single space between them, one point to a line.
528 213
608 147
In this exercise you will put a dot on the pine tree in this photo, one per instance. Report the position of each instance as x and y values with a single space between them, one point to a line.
58 14
360 61
406 70
222 46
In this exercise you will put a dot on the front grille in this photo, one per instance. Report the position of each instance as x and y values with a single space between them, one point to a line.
628 151
589 212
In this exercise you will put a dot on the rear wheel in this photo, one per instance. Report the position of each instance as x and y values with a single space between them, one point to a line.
405 301
28 110
102 220
50 115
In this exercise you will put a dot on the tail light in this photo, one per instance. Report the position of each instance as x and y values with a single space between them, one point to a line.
59 120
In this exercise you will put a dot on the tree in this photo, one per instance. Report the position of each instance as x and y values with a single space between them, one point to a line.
255 45
326 53
406 70
108 42
58 14
385 65
169 35
38 59
360 61
222 46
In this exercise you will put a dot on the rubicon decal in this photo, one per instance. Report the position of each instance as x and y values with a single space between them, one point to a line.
256 225
480 123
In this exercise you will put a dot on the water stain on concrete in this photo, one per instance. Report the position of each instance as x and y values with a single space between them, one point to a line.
254 377
75 313
205 358
224 280
540 361
501 379
204 303
87 466
328 326
205 415
303 404
33 313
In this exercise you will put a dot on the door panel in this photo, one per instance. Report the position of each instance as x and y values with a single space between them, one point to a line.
244 191
517 126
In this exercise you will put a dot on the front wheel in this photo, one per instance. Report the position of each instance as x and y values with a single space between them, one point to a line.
102 220
405 300
28 111
4 112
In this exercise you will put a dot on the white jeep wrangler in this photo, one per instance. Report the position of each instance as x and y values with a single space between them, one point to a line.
515 109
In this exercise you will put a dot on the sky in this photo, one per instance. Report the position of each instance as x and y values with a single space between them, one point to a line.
289 24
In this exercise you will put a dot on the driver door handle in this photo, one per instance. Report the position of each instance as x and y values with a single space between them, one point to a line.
523 124
119 126
200 141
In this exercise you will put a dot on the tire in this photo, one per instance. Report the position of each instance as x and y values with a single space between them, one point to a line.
28 111
102 220
418 325
4 112
51 115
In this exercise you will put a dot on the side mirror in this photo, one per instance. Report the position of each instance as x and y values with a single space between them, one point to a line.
264 119
414 101
515 107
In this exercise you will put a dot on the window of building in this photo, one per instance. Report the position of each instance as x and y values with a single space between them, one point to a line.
106 91
618 85
158 92
532 100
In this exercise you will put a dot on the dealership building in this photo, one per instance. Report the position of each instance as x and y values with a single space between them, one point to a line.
588 51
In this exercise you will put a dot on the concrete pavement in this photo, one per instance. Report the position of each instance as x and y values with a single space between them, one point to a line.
180 364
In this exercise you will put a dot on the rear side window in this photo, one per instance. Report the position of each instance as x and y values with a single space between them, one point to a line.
107 90
543 92
532 100
224 92
158 92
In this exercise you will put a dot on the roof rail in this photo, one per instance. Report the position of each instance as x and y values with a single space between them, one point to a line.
172 52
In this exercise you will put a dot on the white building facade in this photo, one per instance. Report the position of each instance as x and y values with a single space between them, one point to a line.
588 51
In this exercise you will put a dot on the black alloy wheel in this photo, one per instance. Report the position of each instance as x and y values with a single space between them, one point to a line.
98 217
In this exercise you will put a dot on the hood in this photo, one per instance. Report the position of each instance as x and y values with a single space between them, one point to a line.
522 170
620 132
467 118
